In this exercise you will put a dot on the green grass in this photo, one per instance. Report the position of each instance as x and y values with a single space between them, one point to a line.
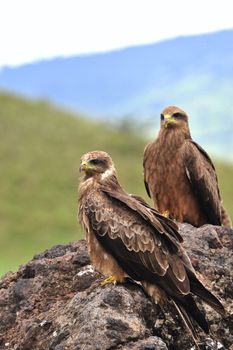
40 152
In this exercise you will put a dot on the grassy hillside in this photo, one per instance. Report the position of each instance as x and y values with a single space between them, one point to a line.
39 154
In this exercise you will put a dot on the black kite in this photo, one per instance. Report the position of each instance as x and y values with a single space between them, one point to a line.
127 238
180 176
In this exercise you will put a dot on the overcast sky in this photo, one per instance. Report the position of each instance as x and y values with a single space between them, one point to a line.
37 29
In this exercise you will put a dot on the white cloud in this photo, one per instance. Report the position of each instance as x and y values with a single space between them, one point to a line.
36 29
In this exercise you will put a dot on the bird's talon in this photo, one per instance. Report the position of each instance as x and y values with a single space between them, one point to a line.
110 279
166 214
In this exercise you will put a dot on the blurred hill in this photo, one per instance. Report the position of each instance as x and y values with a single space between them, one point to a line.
194 72
40 154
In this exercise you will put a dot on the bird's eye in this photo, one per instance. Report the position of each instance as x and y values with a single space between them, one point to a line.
94 161
177 115
161 116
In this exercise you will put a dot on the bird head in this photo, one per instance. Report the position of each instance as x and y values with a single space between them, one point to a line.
96 163
173 117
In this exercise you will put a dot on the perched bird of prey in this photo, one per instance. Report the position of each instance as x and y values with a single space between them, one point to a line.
127 238
179 175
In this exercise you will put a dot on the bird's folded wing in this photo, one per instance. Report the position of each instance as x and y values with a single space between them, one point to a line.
145 169
141 250
163 225
203 179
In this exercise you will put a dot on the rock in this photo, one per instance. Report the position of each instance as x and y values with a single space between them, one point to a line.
56 302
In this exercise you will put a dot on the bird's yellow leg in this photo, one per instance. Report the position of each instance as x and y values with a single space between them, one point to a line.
110 279
166 214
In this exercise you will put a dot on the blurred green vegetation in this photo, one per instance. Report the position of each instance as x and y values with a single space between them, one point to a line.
40 153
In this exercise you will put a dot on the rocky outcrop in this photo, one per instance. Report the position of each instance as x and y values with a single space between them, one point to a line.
56 302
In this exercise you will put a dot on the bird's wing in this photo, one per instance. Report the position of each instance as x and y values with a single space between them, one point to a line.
145 168
169 226
143 251
165 226
203 179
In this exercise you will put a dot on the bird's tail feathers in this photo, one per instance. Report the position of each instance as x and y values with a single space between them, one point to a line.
197 288
225 218
190 312
187 321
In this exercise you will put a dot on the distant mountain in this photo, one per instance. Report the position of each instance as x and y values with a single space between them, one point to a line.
194 72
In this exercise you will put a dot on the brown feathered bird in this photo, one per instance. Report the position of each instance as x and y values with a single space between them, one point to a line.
127 238
179 175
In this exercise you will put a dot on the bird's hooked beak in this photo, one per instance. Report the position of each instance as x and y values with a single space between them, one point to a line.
84 166
168 120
